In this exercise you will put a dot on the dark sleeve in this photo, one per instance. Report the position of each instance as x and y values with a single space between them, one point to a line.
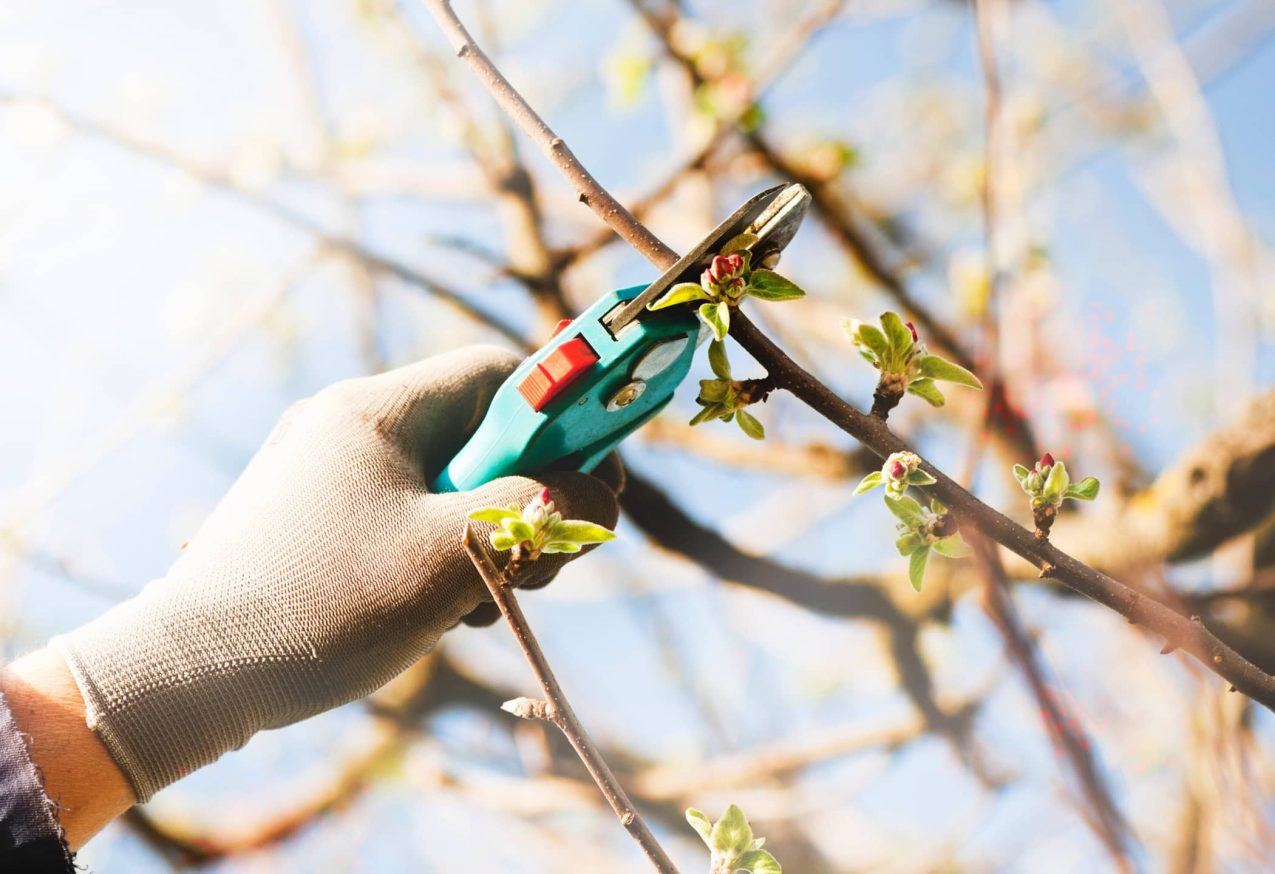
30 837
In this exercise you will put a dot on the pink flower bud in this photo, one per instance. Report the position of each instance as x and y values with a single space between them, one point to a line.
898 470
543 497
1046 462
725 267
911 327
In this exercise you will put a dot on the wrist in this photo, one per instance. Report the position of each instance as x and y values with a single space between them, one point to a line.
79 775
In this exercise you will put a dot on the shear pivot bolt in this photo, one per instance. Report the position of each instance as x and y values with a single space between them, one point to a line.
626 395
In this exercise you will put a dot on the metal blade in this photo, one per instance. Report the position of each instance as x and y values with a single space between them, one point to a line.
773 216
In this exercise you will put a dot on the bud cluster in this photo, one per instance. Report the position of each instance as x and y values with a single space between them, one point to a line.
901 469
726 276
1047 484
923 530
538 528
732 843
724 398
906 366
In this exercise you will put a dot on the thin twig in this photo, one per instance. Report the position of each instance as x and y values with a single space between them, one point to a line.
1184 633
558 710
588 189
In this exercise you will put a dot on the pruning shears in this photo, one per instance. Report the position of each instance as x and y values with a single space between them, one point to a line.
603 374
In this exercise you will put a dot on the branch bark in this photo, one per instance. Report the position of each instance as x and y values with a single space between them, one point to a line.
557 709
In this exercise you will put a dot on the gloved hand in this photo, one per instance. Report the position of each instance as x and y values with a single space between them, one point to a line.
326 570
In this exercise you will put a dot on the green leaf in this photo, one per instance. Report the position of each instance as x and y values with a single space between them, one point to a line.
731 835
580 531
750 426
717 316
937 507
709 413
739 243
1085 490
714 390
560 546
759 862
925 389
683 292
1056 483
769 285
866 336
717 359
869 482
916 568
495 515
919 477
952 547
1021 473
906 510
518 529
898 335
941 369
910 543
701 823
503 541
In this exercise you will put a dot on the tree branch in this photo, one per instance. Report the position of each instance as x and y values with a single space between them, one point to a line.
839 215
588 189
1180 632
556 709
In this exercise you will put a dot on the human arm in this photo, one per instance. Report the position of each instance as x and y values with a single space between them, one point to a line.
327 569
78 774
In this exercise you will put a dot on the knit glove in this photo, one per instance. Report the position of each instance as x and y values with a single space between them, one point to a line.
327 569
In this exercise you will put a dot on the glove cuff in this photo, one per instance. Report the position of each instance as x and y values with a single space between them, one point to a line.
147 700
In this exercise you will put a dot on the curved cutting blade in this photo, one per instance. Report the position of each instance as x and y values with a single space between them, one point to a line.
772 216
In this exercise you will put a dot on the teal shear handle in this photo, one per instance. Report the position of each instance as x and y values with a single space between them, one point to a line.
614 367
572 401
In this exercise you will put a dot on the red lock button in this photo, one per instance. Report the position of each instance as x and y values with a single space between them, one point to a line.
559 369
